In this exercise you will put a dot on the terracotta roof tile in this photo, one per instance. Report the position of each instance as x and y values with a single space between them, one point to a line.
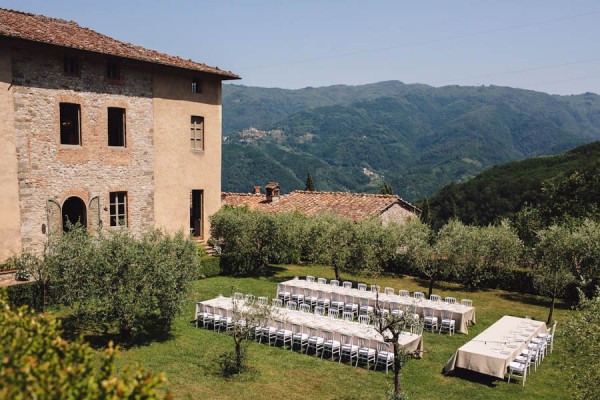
355 206
59 32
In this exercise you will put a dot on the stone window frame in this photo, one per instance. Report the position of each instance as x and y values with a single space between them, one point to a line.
116 198
79 123
195 137
124 125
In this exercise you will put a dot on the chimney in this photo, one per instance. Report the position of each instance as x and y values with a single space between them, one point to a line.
256 190
272 190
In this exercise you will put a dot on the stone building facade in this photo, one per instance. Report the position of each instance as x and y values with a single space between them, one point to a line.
102 132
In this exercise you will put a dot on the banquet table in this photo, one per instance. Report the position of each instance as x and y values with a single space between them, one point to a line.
494 349
463 315
412 343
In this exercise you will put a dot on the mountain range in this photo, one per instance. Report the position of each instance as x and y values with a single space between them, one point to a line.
416 137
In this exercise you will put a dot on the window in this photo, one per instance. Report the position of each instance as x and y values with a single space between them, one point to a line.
118 208
113 70
70 122
116 126
196 86
197 133
71 65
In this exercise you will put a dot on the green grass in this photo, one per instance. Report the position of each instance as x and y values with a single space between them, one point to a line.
188 358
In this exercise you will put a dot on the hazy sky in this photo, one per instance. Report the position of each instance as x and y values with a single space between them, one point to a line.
544 45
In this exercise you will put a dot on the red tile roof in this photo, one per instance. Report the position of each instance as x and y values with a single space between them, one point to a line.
59 32
355 206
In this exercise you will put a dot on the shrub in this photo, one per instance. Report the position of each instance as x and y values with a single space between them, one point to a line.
38 363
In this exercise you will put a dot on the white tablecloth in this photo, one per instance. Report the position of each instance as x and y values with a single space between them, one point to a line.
463 315
492 350
410 342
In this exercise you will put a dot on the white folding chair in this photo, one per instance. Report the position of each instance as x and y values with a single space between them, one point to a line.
315 341
330 345
365 352
333 313
467 302
299 337
283 335
384 355
403 293
309 298
349 349
351 306
323 299
249 298
336 302
362 286
238 296
447 323
284 295
277 303
429 319
348 316
435 297
292 305
297 295
365 308
319 310
321 281
262 300
334 282
310 278
388 290
518 369
364 319
450 300
305 307
375 288
419 295
347 285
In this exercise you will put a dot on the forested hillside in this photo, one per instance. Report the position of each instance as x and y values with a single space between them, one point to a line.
417 138
559 185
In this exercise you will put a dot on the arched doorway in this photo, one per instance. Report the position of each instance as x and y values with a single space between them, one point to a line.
73 210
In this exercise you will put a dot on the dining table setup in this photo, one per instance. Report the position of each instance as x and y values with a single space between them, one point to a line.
464 315
493 350
410 342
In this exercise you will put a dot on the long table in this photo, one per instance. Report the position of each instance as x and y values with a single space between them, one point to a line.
412 343
492 350
463 315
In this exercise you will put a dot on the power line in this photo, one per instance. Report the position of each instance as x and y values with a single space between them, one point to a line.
516 71
423 42
565 80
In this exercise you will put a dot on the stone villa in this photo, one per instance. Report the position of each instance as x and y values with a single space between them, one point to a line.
103 132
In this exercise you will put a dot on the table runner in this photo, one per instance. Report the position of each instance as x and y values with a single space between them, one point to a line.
461 314
492 350
410 342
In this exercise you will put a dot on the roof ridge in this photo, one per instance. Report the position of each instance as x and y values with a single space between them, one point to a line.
349 193
101 44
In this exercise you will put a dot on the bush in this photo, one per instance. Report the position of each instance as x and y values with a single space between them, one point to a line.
209 266
38 363
119 281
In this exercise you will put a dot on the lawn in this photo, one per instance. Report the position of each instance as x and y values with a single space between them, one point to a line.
188 357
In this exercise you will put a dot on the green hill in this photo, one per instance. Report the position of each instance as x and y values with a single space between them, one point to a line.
501 191
417 138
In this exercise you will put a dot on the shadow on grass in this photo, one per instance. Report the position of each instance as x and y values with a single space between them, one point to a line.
98 336
475 377
534 300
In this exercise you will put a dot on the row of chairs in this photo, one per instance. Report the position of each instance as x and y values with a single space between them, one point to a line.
535 353
387 290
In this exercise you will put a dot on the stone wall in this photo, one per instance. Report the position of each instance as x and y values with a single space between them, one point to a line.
398 214
48 170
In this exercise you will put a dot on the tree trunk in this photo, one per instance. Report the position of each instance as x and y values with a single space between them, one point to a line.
431 282
336 269
551 311
397 369
238 356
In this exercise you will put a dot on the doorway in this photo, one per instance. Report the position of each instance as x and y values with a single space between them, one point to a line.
73 211
196 205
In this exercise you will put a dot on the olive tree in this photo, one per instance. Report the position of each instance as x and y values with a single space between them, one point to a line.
38 363
390 327
583 346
